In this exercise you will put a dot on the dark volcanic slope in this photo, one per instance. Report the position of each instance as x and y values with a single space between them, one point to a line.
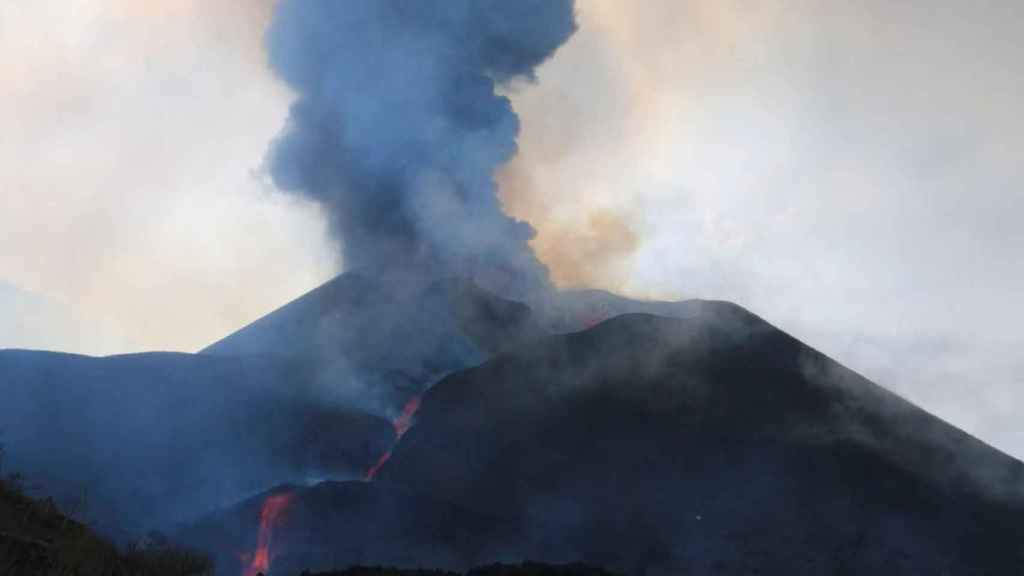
716 444
132 442
524 569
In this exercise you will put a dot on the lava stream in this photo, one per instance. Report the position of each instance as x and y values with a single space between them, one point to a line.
270 515
402 424
373 469
404 420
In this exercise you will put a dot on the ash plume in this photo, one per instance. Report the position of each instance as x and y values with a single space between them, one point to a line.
398 127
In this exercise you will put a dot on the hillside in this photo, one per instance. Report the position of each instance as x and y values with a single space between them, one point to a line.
36 539
148 440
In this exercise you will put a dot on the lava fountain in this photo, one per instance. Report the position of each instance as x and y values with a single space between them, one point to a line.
401 424
258 562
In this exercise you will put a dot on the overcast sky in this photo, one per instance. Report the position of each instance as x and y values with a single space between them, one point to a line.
849 171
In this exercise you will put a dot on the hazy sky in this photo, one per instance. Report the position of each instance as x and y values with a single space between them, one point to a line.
849 171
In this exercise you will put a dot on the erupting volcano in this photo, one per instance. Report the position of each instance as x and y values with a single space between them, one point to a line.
258 561
557 425
402 424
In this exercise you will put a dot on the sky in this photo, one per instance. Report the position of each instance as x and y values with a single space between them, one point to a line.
848 171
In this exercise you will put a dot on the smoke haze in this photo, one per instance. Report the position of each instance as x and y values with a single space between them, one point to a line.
398 129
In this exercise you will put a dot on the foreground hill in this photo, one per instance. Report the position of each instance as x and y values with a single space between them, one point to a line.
36 539
140 441
713 444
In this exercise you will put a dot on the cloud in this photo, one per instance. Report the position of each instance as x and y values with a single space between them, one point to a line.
32 322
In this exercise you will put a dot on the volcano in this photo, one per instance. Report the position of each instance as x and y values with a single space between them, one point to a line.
432 424
694 437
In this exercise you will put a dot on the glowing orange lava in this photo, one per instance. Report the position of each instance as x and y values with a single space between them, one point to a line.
402 425
373 469
404 420
273 507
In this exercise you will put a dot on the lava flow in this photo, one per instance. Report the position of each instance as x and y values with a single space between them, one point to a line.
258 562
380 462
402 424
404 420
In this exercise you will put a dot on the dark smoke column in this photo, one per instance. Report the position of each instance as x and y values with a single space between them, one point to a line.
397 129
